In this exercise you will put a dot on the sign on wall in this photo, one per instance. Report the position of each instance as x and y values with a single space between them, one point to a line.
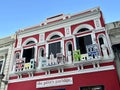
54 82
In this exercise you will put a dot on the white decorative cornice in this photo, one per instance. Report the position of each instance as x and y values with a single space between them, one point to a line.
73 19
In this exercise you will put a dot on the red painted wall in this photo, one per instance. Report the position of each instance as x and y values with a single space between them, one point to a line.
16 42
107 78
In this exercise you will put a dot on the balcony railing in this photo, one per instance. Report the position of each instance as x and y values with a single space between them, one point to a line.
22 67
53 62
93 55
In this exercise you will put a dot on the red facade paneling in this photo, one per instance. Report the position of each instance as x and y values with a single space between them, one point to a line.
16 42
102 20
79 80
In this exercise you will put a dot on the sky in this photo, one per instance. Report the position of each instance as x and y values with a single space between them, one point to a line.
18 14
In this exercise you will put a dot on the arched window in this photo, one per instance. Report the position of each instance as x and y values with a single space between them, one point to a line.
41 52
82 30
69 46
54 47
101 41
55 36
83 40
29 53
30 42
69 50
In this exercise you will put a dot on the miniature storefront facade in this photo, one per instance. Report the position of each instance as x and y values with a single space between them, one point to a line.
65 52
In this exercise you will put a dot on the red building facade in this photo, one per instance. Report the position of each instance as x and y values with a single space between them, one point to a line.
65 52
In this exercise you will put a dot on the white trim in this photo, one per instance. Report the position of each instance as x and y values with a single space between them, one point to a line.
62 46
4 50
39 51
39 56
54 82
97 23
54 33
104 68
19 42
14 60
74 42
66 46
41 37
104 39
82 26
67 31
109 45
29 39
35 54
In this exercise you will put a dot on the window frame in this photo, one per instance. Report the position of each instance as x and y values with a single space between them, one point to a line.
67 47
40 52
55 42
83 35
29 48
3 63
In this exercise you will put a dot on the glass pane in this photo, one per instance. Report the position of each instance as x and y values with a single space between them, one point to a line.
54 48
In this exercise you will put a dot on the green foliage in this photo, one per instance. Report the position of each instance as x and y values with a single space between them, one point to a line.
76 55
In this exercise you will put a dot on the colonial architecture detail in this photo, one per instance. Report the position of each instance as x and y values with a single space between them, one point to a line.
6 45
65 52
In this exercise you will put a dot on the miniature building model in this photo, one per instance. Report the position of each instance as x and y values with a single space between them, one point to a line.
66 52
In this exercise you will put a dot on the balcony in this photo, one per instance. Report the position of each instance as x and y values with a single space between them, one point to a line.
22 67
92 57
52 62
